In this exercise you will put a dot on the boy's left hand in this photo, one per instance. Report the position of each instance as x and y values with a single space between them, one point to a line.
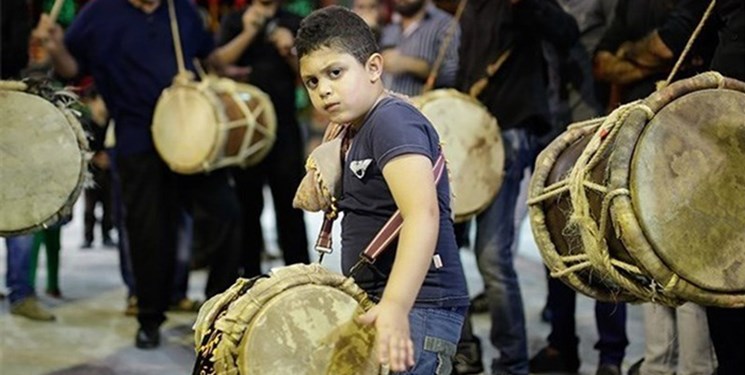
393 339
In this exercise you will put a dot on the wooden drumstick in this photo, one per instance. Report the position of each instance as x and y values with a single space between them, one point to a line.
54 13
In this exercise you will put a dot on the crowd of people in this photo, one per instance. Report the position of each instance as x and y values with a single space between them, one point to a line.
545 64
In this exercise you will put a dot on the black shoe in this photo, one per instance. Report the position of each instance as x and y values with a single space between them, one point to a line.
147 338
636 367
108 242
480 304
87 245
550 360
608 369
468 358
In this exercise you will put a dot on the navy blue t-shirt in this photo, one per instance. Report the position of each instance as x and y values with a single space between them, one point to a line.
391 129
130 55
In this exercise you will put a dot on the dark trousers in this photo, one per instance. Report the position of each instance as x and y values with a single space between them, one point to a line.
609 317
727 331
282 170
99 192
153 198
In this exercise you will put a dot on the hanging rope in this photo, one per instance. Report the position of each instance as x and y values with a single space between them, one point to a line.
176 39
430 83
688 46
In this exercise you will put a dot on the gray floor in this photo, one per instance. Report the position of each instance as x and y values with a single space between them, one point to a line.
92 335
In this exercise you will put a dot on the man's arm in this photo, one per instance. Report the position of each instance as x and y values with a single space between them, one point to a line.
397 63
667 41
52 38
252 22
608 67
552 23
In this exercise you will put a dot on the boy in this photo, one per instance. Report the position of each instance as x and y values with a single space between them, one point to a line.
418 281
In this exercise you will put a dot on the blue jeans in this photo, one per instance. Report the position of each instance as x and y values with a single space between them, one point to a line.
495 236
19 263
435 333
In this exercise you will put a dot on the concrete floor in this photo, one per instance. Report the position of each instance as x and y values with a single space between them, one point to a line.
92 335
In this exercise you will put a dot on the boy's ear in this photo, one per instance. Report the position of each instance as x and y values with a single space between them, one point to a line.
374 67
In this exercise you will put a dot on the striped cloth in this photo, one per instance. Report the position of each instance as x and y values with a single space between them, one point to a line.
422 40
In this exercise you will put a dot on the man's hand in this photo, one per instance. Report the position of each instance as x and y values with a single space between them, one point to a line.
257 14
649 52
49 34
283 40
393 338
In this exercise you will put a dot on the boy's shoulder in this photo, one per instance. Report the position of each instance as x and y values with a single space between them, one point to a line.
397 107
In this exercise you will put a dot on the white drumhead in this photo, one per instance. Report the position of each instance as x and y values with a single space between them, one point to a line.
41 163
472 146
186 127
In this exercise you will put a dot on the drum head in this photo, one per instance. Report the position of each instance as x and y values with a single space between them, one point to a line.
309 329
688 187
472 146
186 127
41 162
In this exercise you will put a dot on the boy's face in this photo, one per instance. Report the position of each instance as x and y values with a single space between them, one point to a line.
339 85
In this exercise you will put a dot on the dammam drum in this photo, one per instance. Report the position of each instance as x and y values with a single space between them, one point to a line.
43 156
298 320
648 204
472 145
217 122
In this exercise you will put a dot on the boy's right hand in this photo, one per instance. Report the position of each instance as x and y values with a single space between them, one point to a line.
393 338
49 33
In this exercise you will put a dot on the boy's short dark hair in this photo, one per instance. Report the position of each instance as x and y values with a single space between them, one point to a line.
336 27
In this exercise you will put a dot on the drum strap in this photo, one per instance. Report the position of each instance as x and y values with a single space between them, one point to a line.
390 230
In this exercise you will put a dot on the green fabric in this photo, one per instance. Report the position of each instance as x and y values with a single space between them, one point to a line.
300 7
66 13
51 239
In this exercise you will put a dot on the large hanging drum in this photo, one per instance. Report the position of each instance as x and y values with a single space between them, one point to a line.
214 123
299 320
43 157
648 204
472 145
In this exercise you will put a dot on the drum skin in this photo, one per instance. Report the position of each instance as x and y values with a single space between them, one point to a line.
671 174
299 320
202 126
688 184
42 162
472 144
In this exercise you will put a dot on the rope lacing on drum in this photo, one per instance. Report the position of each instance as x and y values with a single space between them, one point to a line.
592 235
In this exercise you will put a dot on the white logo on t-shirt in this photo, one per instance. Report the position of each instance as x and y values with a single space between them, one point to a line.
359 167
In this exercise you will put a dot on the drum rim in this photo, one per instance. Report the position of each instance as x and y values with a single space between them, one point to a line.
84 148
622 210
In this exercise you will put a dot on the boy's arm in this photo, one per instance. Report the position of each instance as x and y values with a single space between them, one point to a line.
410 180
